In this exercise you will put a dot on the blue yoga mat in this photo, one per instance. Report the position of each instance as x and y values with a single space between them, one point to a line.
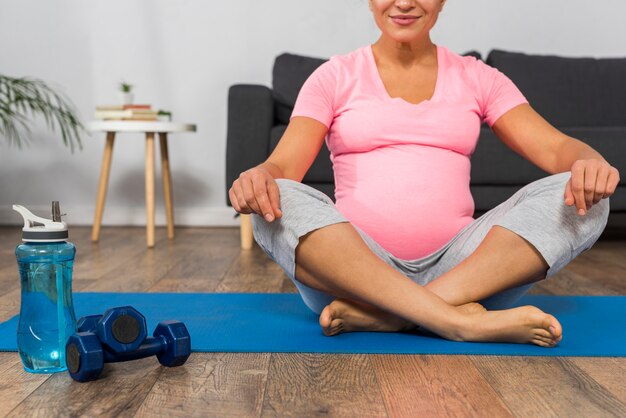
245 322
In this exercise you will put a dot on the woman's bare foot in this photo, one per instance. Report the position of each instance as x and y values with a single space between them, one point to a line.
526 324
343 315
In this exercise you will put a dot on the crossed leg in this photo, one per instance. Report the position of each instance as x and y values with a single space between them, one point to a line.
501 261
373 296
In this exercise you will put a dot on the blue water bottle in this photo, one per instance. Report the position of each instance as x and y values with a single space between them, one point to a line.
47 318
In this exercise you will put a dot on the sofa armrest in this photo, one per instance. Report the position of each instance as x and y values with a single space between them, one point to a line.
250 119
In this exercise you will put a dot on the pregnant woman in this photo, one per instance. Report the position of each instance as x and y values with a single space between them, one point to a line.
400 249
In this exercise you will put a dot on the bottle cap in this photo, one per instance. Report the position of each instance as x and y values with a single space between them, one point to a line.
38 229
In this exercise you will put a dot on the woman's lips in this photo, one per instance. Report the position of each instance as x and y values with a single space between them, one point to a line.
404 20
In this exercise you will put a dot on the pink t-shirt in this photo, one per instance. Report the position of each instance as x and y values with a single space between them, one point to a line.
402 170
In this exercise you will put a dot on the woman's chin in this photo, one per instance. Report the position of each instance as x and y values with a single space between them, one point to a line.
405 38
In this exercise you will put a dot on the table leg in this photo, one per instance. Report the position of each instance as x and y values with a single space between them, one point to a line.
102 186
167 185
150 189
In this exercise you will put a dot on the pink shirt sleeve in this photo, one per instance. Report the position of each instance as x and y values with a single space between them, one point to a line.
316 98
498 93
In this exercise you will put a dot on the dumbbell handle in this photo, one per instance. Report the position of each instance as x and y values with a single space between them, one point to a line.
148 348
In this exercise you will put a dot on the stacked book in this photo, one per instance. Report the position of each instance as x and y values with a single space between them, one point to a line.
126 112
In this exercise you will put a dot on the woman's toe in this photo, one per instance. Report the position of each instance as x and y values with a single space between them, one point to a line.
326 317
544 333
553 326
542 343
335 327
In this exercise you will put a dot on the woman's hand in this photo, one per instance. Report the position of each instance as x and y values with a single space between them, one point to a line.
591 181
256 191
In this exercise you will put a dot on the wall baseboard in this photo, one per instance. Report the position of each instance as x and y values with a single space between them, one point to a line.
132 216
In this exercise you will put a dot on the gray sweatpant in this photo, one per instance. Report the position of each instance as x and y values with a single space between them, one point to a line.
536 212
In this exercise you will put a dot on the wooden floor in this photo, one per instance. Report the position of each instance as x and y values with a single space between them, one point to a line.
300 385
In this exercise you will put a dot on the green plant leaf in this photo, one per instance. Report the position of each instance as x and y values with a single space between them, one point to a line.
24 98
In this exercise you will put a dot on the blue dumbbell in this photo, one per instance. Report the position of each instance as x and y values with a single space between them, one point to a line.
107 338
120 329
87 323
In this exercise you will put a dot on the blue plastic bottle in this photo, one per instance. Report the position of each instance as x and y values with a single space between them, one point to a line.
47 318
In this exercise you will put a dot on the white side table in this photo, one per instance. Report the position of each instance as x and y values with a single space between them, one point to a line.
149 129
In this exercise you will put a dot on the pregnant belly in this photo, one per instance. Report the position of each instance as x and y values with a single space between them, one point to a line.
410 207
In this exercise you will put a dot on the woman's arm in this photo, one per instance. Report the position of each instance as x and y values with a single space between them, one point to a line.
530 135
255 191
298 147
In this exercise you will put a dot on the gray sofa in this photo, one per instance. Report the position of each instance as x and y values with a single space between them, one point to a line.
585 98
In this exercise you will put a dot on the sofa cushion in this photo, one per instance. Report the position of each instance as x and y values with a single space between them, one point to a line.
289 74
493 163
568 91
321 170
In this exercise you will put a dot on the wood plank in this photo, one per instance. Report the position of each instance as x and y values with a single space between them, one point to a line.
7 253
16 384
253 271
215 384
138 273
607 371
528 386
287 286
97 259
611 276
119 392
207 256
302 385
10 304
9 278
609 252
569 282
435 386
201 265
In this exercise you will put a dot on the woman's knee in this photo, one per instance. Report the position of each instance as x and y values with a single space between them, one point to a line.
552 185
287 186
596 219
296 198
302 207
552 189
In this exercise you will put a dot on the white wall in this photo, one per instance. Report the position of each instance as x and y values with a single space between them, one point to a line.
183 56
